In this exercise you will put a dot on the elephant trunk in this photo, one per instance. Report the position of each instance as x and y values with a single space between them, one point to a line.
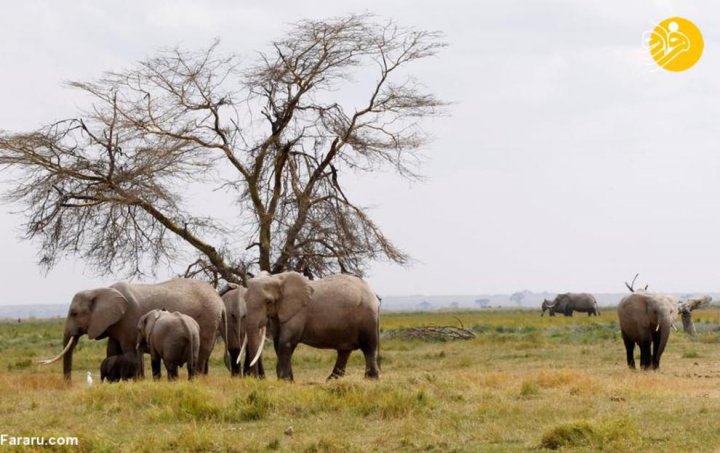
242 348
236 356
224 326
237 340
688 324
71 342
140 372
664 335
230 359
547 305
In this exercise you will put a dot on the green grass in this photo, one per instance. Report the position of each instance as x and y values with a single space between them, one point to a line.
525 383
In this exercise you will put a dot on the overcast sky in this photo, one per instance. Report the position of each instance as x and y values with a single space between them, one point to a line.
568 161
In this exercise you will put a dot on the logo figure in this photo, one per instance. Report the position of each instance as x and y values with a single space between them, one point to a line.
675 44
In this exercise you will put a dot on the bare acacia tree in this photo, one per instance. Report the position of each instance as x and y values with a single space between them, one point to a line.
112 185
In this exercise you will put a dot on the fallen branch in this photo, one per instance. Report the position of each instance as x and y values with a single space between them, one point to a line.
432 333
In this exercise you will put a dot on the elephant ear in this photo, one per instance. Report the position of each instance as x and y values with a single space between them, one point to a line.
108 307
295 294
147 324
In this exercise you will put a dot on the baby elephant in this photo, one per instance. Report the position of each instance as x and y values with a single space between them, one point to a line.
119 367
173 338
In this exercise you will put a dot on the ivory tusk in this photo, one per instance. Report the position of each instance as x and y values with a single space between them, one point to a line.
260 348
242 349
67 348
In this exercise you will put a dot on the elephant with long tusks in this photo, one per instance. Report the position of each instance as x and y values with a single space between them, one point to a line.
338 312
236 338
113 313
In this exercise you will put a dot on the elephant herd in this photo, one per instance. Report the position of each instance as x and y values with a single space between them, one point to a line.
646 319
178 321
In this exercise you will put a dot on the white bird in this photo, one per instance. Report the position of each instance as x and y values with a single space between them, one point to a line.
89 379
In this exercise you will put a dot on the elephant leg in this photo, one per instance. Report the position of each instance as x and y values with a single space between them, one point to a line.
370 350
204 355
372 371
284 351
259 367
155 364
339 368
656 350
172 371
630 352
234 365
113 348
645 354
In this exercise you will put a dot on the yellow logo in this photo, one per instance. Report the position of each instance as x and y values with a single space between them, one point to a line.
675 44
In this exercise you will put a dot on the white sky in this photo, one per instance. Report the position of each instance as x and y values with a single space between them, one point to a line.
568 162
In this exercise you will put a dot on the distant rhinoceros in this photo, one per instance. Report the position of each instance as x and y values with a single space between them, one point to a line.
568 302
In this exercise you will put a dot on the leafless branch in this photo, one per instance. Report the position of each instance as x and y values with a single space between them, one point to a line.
110 185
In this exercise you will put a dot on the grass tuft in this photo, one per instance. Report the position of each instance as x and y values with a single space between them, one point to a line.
611 434
529 389
575 434
255 407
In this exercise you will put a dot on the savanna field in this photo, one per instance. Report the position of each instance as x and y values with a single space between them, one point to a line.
525 383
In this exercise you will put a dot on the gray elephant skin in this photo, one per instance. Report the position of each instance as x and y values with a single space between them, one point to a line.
338 312
118 368
170 337
236 337
568 303
646 320
114 312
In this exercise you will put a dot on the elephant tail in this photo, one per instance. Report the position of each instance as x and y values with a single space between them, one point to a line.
378 343
224 326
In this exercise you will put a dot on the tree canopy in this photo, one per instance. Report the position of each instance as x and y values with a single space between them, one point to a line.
277 132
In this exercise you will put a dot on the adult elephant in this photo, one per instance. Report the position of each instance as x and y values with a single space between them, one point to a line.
113 313
567 303
554 306
236 337
646 320
338 312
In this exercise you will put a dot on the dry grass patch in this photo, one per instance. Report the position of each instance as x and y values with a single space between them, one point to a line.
524 383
